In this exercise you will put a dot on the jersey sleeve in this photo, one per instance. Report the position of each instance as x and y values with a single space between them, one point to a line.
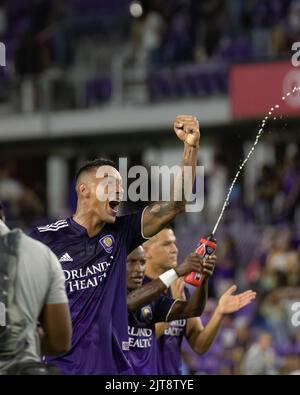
133 228
35 234
44 237
162 308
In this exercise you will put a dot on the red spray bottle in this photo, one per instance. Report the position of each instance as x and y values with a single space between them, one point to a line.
206 248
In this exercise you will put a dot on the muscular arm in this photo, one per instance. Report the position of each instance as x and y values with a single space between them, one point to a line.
145 295
181 309
150 291
200 338
158 215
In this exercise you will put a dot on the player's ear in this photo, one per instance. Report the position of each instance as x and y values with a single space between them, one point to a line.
84 190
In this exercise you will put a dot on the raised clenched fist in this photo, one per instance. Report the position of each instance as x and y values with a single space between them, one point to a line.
187 129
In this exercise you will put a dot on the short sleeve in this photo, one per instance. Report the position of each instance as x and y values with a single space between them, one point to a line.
162 308
57 292
133 227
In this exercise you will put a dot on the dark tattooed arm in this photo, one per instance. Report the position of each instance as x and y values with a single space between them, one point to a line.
150 291
158 215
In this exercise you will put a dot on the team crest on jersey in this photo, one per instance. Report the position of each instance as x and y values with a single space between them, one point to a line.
125 346
107 243
147 313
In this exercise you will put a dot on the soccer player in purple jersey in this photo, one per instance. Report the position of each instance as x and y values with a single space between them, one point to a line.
92 247
147 305
161 255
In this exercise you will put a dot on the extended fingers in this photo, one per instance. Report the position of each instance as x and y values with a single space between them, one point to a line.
244 299
247 294
231 290
244 302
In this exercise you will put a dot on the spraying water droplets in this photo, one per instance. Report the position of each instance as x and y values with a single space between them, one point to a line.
259 134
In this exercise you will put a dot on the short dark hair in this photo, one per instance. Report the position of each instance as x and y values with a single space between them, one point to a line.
94 164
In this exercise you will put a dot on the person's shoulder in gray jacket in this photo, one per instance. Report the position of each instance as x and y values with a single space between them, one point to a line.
41 295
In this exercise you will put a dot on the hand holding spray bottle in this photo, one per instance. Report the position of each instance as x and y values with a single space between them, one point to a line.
206 248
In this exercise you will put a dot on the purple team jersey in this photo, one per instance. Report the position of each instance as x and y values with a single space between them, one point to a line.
95 272
169 346
141 331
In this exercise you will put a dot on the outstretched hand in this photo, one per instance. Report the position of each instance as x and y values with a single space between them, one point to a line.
230 303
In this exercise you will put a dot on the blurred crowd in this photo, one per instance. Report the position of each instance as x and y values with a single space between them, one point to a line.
259 249
263 338
276 192
187 30
21 201
68 54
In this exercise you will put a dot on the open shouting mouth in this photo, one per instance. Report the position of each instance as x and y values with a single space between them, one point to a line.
114 205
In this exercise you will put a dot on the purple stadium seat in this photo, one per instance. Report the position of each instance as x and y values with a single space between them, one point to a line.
236 50
187 81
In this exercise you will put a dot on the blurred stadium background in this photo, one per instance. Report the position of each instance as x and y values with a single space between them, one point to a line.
91 78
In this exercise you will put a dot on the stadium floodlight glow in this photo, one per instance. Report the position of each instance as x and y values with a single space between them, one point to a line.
136 9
